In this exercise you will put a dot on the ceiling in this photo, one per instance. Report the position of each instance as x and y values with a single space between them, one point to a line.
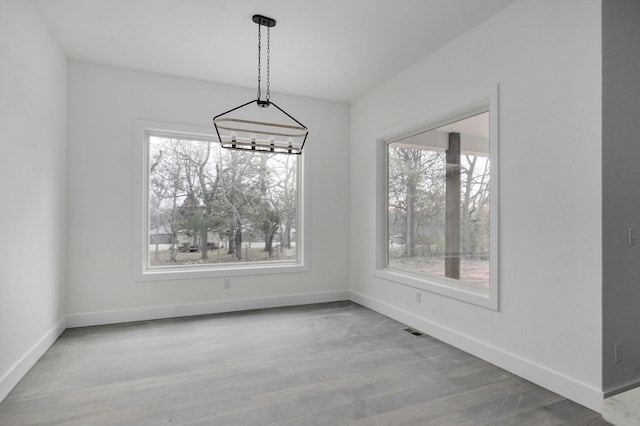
327 49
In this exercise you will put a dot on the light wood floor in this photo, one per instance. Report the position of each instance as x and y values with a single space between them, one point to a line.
324 364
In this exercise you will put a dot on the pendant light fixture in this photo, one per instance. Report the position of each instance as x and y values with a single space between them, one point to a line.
261 125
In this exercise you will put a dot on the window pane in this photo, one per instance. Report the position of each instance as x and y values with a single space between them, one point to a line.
209 205
438 201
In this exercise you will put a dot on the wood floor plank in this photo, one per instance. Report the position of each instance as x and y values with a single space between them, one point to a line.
324 364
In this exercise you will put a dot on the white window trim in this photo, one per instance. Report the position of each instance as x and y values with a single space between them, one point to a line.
485 100
140 269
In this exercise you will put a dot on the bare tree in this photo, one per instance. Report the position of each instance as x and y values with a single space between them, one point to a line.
200 191
286 198
238 191
475 205
167 188
416 195
267 217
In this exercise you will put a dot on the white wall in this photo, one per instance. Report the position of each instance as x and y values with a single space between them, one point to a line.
33 121
104 103
545 56
621 201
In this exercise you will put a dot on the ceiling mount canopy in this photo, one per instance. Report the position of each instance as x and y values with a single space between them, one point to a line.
262 129
264 21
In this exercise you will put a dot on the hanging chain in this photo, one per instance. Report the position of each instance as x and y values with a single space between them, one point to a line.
259 65
268 60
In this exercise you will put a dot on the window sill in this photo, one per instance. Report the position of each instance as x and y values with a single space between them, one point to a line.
454 289
186 272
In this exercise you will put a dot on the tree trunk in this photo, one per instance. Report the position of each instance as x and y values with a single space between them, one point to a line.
238 238
268 243
172 250
204 252
232 243
287 234
409 239
467 237
412 160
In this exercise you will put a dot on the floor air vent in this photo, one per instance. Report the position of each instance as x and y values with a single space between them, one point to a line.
413 331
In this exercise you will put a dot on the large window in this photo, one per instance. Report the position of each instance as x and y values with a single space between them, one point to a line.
439 193
211 209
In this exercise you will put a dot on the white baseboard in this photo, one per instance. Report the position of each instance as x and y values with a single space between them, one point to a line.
568 387
17 371
172 311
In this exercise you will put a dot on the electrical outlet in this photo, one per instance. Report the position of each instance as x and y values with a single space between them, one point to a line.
632 236
617 353
418 297
227 283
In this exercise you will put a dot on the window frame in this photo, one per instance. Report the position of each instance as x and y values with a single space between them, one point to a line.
142 270
487 297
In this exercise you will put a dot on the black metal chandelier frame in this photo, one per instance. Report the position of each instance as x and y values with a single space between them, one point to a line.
257 135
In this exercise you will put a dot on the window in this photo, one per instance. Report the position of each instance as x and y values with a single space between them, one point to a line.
210 211
439 192
439 197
